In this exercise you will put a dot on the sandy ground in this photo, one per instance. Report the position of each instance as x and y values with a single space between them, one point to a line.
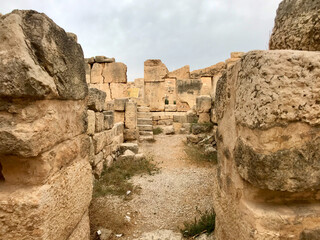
178 193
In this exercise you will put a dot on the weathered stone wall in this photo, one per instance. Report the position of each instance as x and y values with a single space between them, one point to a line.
46 181
267 184
297 26
105 136
107 75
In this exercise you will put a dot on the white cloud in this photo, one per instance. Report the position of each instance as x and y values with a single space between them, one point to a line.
195 32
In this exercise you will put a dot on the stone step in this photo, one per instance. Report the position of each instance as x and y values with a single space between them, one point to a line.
144 121
145 128
146 133
146 138
144 115
143 109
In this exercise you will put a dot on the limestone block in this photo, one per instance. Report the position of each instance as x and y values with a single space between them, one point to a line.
206 88
96 99
82 231
129 146
155 95
170 108
181 73
36 170
168 130
29 128
98 158
96 73
131 134
182 106
118 90
97 170
117 140
90 60
108 119
39 59
102 139
297 26
109 106
154 70
107 151
91 122
120 104
103 59
203 104
115 72
165 122
204 118
127 156
51 211
139 157
209 71
192 117
180 118
99 122
118 128
91 151
130 121
118 117
109 161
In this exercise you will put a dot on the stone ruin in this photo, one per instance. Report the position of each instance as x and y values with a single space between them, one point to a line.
63 119
268 112
46 180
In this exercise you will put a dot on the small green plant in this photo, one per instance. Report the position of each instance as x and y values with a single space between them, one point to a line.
206 224
166 101
157 131
197 154
114 180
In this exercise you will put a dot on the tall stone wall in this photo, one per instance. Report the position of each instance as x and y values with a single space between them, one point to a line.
46 181
268 178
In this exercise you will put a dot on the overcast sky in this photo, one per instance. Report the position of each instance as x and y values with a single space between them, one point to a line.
198 33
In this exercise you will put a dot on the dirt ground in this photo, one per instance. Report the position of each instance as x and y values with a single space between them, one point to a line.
179 192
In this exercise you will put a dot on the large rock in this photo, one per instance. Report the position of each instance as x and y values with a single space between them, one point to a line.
96 100
29 128
115 73
38 59
297 26
51 211
203 104
130 116
154 70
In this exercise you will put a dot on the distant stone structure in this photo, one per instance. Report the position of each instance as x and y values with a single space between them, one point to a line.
45 177
267 184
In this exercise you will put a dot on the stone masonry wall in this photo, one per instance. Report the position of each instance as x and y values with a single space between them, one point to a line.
267 184
105 136
46 181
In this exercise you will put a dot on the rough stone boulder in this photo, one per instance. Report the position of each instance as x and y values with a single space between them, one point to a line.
154 70
96 99
297 26
181 73
277 101
32 64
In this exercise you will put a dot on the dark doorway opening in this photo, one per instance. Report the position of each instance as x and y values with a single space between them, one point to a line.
1 175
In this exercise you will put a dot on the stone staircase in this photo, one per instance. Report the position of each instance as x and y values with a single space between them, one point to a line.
145 124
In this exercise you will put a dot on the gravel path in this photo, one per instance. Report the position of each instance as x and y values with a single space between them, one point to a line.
178 193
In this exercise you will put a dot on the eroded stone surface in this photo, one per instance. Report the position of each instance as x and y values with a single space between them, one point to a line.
39 59
297 26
